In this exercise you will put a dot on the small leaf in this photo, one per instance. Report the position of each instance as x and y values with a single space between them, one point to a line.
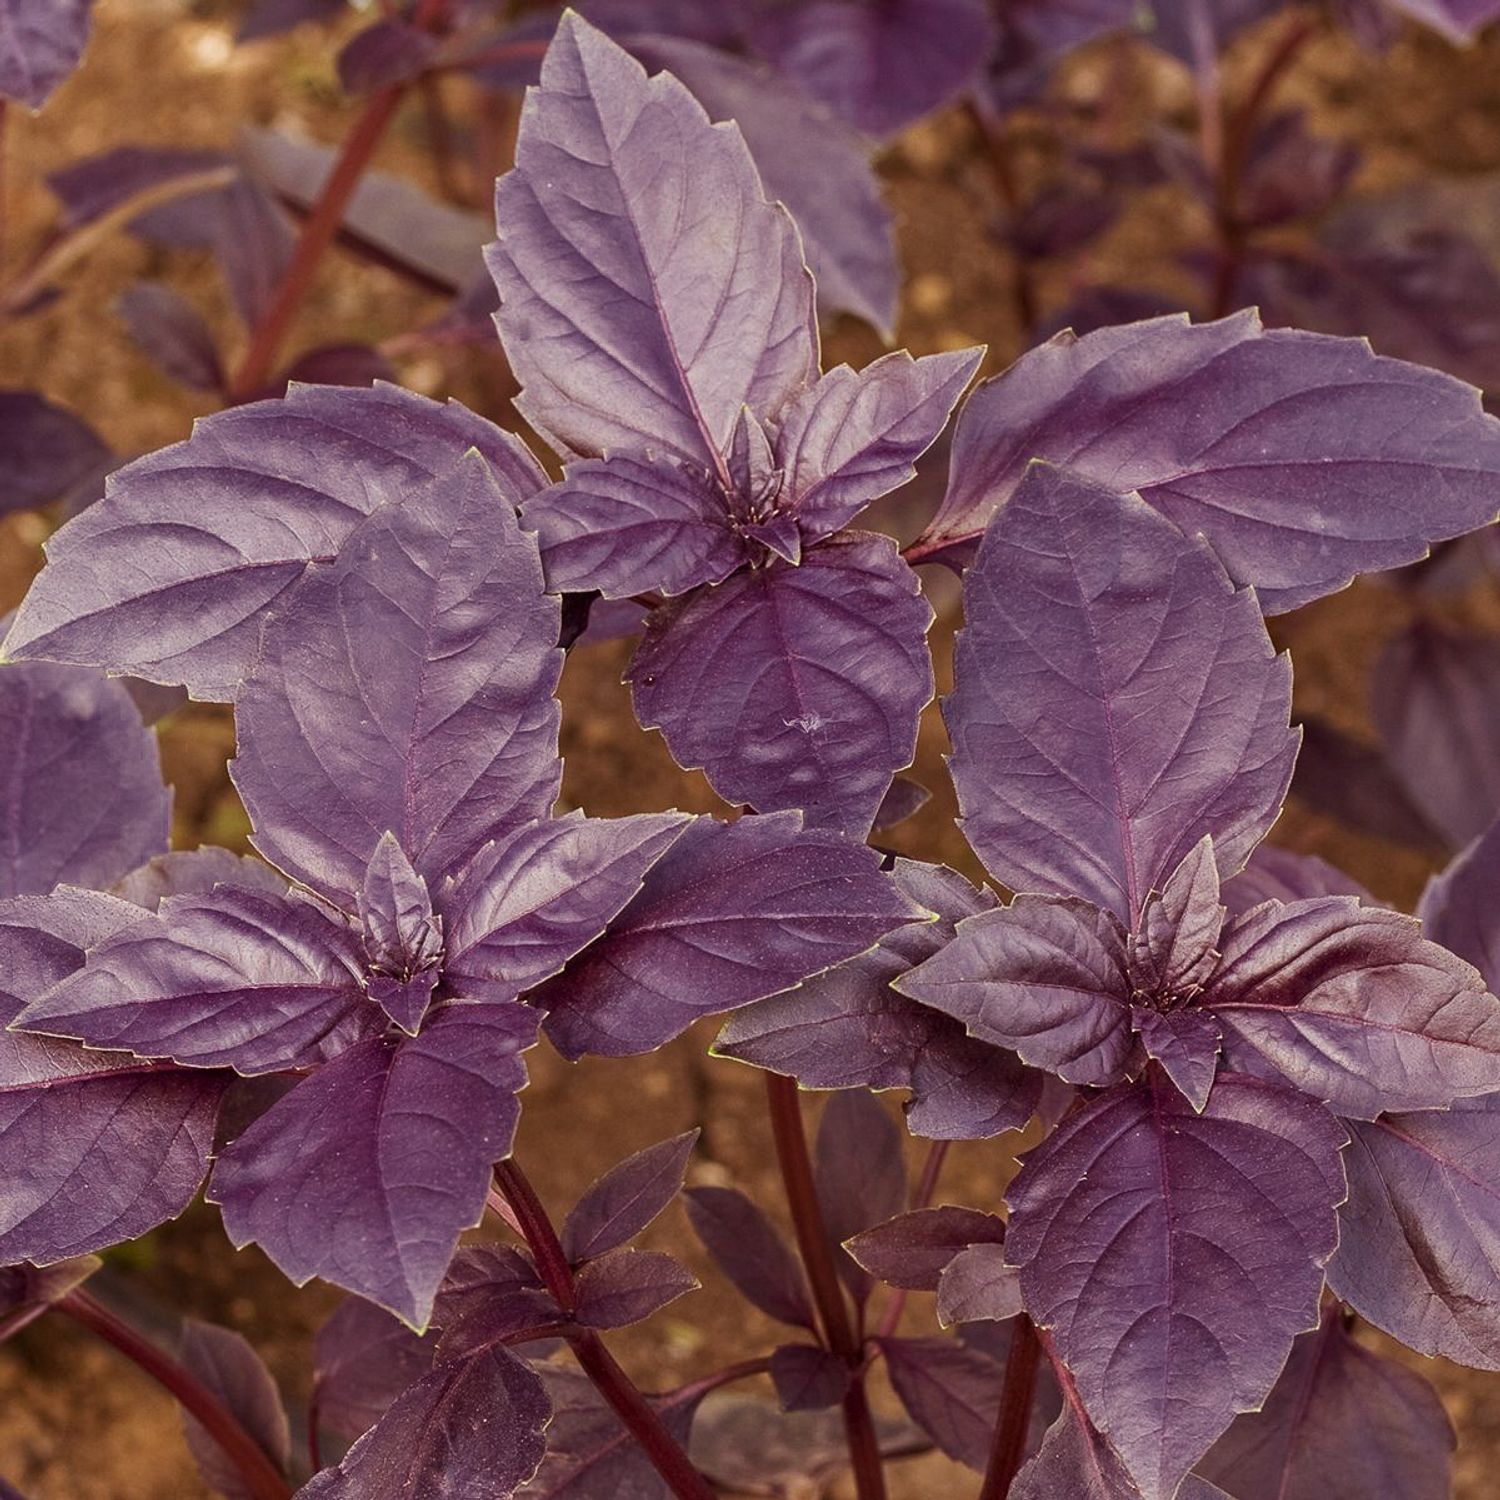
913 1249
491 1294
195 872
1282 875
403 941
388 52
860 1174
169 331
751 1253
226 1365
41 42
977 1286
364 1359
1458 908
903 798
626 1286
33 1286
627 1198
1186 1043
808 1378
47 451
949 1391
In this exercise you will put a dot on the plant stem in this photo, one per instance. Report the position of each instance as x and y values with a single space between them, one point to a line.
1015 1411
617 1388
790 1137
262 1478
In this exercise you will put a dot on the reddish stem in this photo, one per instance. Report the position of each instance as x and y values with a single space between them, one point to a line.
1015 1411
262 1478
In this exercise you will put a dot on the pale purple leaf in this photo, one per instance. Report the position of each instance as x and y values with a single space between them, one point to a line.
1303 459
860 1172
795 687
731 913
1458 20
1275 874
1353 1006
407 687
978 1286
1173 1256
1115 699
169 331
168 577
86 803
364 1359
913 1249
751 1253
808 1378
627 1286
627 1198
44 450
367 1172
1186 1042
647 289
951 1392
224 1364
403 940
41 42
879 66
849 1027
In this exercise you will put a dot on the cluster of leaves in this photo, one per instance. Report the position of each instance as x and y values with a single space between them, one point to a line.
1266 1104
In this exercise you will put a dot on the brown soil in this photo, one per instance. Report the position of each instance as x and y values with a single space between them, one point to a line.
75 1422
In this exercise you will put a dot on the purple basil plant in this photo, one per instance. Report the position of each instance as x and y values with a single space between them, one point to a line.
1260 1105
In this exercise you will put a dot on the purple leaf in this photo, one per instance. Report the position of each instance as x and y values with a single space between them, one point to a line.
169 575
950 1392
625 525
1436 702
627 1286
903 798
1194 1252
1458 20
472 1429
912 1250
795 687
391 51
264 18
647 289
403 940
852 438
1115 699
731 913
1419 1241
1282 875
850 1027
225 1365
751 1253
860 1174
408 687
170 333
808 1378
879 66
1186 1043
1186 414
809 161
1340 1420
44 450
627 1198
491 1294
337 364
28 1286
238 978
41 42
86 803
195 872
367 1172
1042 977
1175 946
1458 908
1353 1006
364 1359
977 1286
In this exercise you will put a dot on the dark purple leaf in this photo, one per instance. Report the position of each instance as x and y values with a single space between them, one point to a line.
86 804
41 42
364 1359
1174 1256
632 319
913 1249
1375 460
751 1253
1115 698
808 1378
491 1294
977 1286
367 1172
265 18
1353 1006
472 1429
44 450
627 1198
1458 908
339 364
1061 219
860 1173
879 66
730 914
852 438
626 525
1186 1043
952 1393
1283 875
1436 702
627 1286
850 1027
391 51
795 687
169 331
169 575
225 1365
408 687
1340 1420
1289 171
90 188
238 978
31 1286
903 798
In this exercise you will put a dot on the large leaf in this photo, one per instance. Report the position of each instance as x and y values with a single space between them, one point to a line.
225 1363
1303 459
1175 1255
732 913
851 1026
86 802
168 576
648 291
795 687
1115 699
1340 1421
407 687
41 42
367 1172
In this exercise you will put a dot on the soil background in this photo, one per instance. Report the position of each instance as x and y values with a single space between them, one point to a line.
76 1423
